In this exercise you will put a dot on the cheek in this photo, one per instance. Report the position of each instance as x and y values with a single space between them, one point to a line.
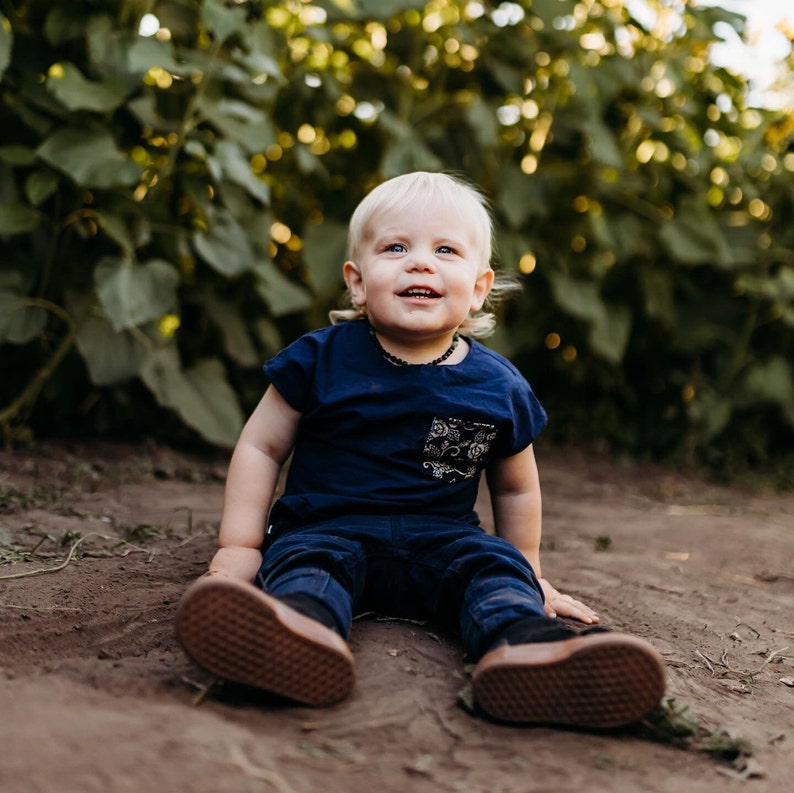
377 286
466 285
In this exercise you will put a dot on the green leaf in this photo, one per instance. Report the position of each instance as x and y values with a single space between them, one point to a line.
90 158
18 218
778 288
603 145
396 126
201 396
771 381
111 356
269 336
510 79
221 21
549 10
383 9
520 196
144 108
20 322
263 40
712 15
225 246
6 43
658 291
483 122
75 92
63 24
133 294
610 325
408 154
147 52
281 295
694 236
40 185
236 339
237 169
17 154
510 247
116 228
610 332
250 127
711 410
580 299
107 47
324 251
369 9
307 162
608 233
259 63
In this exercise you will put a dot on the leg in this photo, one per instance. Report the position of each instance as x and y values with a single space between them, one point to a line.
269 639
456 574
323 564
538 670
535 669
483 580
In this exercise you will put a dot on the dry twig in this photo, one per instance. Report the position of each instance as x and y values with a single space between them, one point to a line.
40 571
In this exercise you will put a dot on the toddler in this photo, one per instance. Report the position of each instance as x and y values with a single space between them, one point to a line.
391 414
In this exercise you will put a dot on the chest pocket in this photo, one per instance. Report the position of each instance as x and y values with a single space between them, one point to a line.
456 449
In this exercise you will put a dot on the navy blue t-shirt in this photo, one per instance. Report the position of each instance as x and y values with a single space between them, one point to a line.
375 438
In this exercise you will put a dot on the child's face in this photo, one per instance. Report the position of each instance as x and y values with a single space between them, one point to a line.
420 272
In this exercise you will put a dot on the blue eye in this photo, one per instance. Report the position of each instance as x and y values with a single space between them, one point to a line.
396 247
445 250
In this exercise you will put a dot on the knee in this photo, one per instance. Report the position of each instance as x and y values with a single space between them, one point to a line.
314 562
492 555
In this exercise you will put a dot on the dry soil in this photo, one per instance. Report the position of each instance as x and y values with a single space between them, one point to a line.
98 543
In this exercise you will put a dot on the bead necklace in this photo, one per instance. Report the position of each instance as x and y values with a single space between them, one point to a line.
400 362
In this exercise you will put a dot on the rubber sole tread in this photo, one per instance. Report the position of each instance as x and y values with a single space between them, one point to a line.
600 681
239 633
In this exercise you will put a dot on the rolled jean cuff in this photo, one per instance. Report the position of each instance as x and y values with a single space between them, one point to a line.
318 584
486 612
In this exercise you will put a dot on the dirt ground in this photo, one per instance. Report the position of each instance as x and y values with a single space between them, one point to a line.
96 695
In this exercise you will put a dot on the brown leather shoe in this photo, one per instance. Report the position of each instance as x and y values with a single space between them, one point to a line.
239 633
599 680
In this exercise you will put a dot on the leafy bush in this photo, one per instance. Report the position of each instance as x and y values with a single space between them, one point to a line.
174 205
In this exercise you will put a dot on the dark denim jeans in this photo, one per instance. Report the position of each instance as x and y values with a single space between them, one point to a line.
411 566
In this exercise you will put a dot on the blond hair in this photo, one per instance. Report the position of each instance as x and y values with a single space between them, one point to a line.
423 188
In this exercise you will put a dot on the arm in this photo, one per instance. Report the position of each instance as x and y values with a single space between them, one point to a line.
264 445
516 500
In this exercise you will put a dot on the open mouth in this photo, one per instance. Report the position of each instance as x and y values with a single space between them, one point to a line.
421 293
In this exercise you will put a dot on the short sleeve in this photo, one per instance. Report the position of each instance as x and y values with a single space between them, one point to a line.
292 372
528 418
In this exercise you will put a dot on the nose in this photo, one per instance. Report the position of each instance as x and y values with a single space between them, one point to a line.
421 261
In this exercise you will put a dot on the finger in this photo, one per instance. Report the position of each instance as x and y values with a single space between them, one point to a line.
569 602
577 611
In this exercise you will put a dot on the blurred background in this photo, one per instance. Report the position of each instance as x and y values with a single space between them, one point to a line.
176 177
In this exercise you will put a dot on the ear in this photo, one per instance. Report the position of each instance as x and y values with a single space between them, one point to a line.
355 283
482 288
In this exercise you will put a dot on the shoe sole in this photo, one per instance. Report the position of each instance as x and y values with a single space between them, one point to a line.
239 633
600 681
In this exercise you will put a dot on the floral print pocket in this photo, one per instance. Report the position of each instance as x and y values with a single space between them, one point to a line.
456 449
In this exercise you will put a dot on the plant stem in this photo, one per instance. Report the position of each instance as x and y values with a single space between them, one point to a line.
187 118
27 399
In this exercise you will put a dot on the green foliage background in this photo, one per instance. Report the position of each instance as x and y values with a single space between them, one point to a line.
173 206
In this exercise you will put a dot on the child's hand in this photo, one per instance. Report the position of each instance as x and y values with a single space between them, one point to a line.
559 605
